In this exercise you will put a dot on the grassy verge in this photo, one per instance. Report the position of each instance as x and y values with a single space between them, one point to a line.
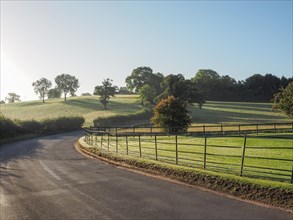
268 192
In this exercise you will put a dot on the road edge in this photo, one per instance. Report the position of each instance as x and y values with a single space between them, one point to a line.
170 178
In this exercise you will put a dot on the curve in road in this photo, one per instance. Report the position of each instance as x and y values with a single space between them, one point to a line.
46 178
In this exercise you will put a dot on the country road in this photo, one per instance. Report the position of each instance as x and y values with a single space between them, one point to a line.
46 178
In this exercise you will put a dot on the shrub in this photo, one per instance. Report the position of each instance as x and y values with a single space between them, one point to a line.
62 124
30 127
8 128
140 117
283 100
172 115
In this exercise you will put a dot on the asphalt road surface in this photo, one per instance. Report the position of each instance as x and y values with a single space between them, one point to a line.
46 178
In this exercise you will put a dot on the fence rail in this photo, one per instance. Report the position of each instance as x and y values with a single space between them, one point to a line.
222 129
241 155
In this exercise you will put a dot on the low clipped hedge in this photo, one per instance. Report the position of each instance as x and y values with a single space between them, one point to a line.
138 118
11 128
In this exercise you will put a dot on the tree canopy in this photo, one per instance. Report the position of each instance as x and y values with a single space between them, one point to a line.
12 97
256 88
143 76
172 114
67 84
283 100
41 87
54 93
147 95
105 91
179 87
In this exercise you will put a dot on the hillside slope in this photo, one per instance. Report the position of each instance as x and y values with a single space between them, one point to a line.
90 108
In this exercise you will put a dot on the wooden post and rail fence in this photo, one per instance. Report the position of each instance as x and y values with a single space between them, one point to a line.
148 142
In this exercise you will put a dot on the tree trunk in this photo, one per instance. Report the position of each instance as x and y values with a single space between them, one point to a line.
64 96
43 99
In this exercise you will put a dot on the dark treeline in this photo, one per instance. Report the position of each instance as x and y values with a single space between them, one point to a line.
256 88
206 83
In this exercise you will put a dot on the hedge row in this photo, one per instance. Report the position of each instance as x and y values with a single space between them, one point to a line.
11 128
138 118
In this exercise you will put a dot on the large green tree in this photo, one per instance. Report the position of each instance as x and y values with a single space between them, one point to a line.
179 87
12 97
283 100
172 114
207 81
105 91
41 87
147 95
67 84
143 76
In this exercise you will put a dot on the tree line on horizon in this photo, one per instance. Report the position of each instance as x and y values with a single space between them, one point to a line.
168 97
205 85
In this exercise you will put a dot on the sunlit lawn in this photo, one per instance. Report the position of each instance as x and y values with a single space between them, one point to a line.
191 152
88 107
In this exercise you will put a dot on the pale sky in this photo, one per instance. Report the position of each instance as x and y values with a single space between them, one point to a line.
94 40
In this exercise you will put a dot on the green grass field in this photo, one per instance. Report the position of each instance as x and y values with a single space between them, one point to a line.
223 154
90 108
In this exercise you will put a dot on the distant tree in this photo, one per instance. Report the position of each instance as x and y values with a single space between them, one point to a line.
2 102
54 93
208 82
123 90
86 94
179 87
41 87
12 97
105 91
261 88
147 95
67 84
142 76
171 114
283 100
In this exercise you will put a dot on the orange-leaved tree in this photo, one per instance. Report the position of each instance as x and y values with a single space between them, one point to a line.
172 114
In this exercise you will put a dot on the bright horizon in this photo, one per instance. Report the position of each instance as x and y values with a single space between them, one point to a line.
94 40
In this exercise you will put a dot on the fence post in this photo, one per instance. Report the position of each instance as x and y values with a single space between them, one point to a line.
108 144
257 129
156 147
126 145
275 128
139 145
205 153
204 129
239 129
292 175
133 129
151 130
176 140
243 156
292 126
221 129
116 144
